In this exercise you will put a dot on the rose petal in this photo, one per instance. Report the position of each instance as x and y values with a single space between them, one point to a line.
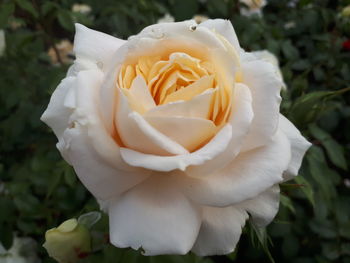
218 152
191 90
250 174
240 121
298 143
191 133
102 179
141 93
265 87
264 207
188 30
156 217
95 46
57 114
169 163
198 107
137 134
220 230
87 113
224 28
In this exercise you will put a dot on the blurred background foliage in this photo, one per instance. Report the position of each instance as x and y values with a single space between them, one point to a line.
38 190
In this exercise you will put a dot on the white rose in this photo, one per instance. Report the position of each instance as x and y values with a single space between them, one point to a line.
177 132
252 7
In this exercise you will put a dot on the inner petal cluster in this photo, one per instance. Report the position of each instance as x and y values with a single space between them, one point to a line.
178 77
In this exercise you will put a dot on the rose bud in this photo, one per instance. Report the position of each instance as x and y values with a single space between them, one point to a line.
68 242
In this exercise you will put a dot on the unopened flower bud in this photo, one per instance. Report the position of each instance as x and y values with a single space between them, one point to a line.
68 242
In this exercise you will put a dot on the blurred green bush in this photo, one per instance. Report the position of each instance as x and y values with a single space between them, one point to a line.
38 190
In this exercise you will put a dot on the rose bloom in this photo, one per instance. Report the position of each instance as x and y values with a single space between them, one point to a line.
177 133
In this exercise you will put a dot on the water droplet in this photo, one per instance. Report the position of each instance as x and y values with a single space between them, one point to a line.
193 28
99 65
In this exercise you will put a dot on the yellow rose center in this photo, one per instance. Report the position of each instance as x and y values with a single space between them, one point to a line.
177 76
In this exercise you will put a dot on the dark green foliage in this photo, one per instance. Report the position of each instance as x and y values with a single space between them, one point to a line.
41 190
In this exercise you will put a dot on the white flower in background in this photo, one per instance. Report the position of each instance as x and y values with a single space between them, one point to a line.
167 18
65 51
252 7
23 250
81 8
289 25
2 42
271 58
292 3
200 18
177 133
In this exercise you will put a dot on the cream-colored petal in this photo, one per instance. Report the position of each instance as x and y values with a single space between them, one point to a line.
299 146
265 87
156 217
192 90
191 133
248 175
95 46
198 107
57 114
264 207
168 163
87 112
241 117
138 135
220 230
101 178
224 28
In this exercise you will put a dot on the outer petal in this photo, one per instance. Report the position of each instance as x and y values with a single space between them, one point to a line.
264 207
87 113
95 46
220 230
299 146
57 115
224 28
250 174
271 58
100 178
265 87
156 217
88 146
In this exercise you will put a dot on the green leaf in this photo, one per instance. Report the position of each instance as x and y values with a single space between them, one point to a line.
259 237
184 9
6 235
306 188
321 173
69 176
28 6
65 19
308 107
334 150
285 201
290 51
6 10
